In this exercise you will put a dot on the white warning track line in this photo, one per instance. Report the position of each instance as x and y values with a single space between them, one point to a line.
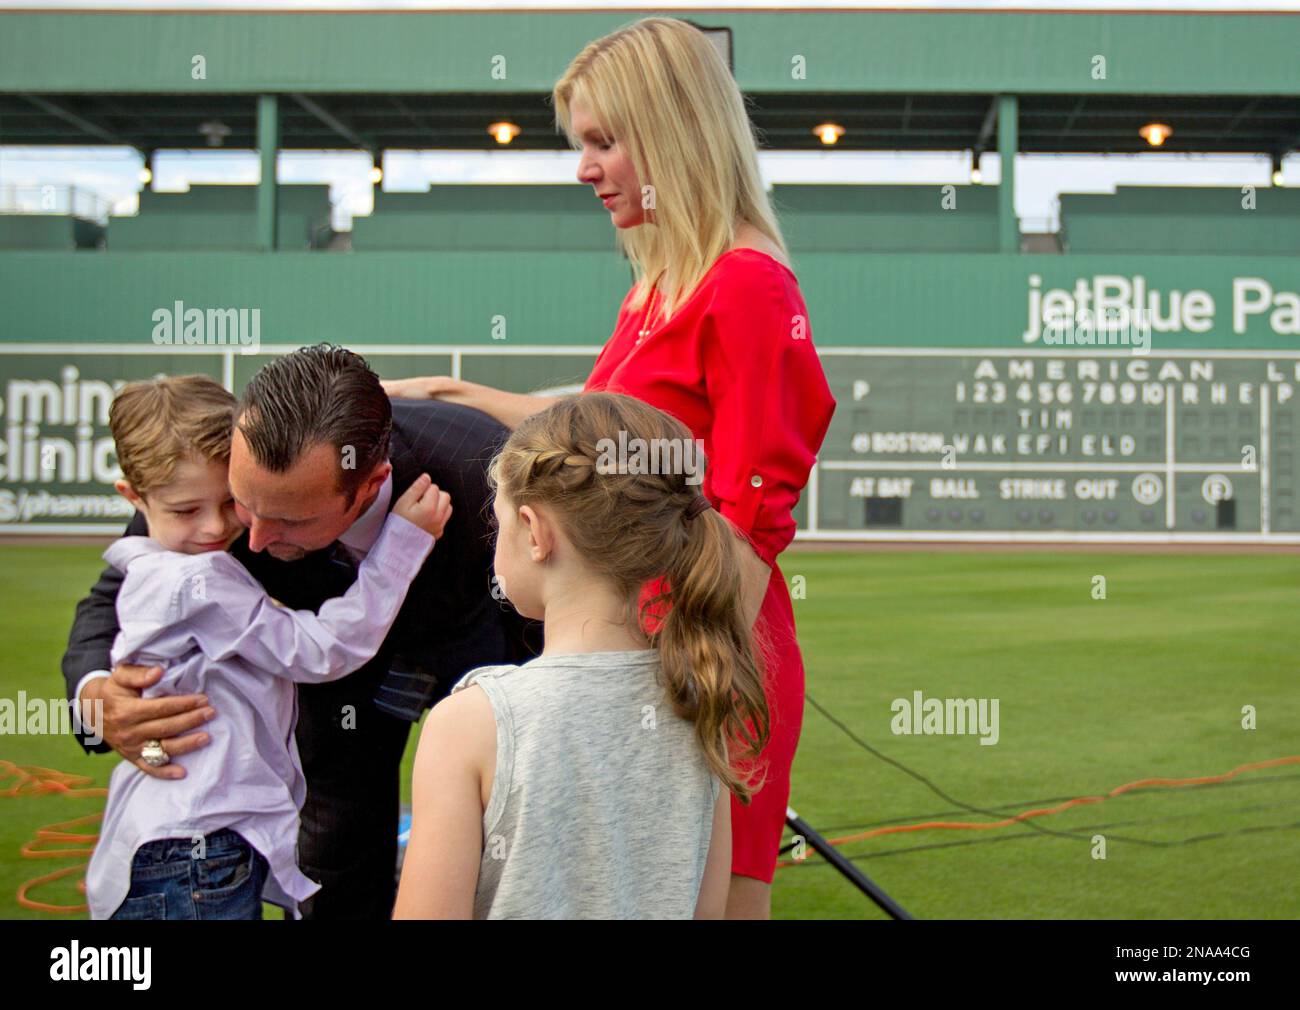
1043 352
1169 457
1263 462
1012 537
1039 467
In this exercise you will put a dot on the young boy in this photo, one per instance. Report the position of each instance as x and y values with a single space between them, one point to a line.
211 845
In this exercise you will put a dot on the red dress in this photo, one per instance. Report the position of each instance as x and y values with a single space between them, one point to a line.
736 365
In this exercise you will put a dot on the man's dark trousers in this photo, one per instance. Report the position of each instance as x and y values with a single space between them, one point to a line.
352 755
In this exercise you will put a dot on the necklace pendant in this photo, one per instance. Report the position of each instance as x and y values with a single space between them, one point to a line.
646 325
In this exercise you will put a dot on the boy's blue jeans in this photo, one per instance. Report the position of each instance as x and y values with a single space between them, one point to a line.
167 882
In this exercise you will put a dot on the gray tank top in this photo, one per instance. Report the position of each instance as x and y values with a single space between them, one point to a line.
602 802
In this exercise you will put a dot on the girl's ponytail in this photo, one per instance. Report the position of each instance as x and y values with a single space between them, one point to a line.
712 669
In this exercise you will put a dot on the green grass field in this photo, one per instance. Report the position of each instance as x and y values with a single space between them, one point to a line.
1093 693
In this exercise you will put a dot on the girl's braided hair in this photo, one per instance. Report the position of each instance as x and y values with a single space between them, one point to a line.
631 530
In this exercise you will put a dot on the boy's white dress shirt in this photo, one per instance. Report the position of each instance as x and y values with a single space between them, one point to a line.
212 628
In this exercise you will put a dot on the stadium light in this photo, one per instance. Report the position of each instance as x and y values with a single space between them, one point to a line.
1156 134
376 175
829 132
1277 169
504 132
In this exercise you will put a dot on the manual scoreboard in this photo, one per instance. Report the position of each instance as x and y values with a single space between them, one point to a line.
984 444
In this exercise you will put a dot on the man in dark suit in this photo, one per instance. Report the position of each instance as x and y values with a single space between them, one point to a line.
318 455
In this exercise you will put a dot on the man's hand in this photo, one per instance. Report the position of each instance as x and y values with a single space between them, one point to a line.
130 720
421 387
425 505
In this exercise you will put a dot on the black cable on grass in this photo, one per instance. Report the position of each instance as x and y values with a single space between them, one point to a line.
939 792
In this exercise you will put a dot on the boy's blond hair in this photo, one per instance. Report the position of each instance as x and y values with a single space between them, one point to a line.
159 423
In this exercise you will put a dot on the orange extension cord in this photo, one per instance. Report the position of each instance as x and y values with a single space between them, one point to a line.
985 825
30 780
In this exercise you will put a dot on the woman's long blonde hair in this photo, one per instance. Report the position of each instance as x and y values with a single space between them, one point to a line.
659 87
630 529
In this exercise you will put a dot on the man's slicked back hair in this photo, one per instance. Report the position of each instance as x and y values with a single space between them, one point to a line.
319 395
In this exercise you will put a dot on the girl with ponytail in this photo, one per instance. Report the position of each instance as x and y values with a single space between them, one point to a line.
595 780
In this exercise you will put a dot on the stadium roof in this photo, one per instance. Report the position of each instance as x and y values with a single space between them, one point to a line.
1085 82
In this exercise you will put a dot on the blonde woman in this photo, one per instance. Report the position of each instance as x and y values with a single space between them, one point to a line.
714 331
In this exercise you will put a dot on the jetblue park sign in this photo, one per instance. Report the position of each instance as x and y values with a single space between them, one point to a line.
1103 308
